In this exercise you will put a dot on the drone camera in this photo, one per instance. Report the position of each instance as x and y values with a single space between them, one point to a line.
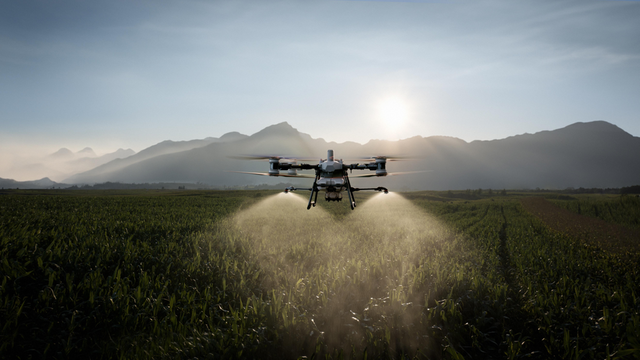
333 196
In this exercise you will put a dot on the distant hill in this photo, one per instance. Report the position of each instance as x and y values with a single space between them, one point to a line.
44 183
63 163
103 173
86 163
88 152
63 153
593 154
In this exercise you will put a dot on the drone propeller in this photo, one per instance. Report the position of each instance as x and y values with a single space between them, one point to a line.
258 157
388 174
267 174
387 158
270 157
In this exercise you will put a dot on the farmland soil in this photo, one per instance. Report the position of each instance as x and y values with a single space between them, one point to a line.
611 237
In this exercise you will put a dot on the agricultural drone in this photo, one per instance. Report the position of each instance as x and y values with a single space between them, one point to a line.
332 176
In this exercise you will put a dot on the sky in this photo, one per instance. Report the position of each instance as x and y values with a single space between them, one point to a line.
120 74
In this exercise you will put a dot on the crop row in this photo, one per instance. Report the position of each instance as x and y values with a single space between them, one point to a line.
623 210
572 300
233 275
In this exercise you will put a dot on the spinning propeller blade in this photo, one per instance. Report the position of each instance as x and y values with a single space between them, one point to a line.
270 157
388 158
388 174
267 174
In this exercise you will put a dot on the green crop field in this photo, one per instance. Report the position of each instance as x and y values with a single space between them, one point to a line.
624 210
253 274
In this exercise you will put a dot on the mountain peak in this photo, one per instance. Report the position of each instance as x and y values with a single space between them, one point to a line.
87 152
593 129
282 128
45 181
232 136
124 152
62 152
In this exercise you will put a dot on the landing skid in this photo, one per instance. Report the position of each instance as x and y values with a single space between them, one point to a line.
350 191
313 198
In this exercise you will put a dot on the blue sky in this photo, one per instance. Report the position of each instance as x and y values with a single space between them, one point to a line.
110 74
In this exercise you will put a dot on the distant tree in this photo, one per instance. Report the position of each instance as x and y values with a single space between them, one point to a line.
479 191
635 189
503 192
490 192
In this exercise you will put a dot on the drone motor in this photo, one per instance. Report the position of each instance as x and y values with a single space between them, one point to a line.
381 164
274 166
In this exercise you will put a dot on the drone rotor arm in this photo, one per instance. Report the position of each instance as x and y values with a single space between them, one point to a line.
299 166
379 188
292 189
390 174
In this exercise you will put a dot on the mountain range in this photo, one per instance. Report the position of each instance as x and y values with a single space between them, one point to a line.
60 164
593 154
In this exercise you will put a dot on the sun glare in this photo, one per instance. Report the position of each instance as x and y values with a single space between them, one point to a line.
393 113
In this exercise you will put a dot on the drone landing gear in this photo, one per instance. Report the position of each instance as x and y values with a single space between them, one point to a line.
313 198
351 190
352 198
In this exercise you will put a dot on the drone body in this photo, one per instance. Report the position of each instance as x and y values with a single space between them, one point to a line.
331 175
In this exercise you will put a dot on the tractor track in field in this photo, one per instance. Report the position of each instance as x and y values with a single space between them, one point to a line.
503 253
611 237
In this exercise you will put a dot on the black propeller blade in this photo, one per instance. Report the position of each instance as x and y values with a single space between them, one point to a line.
388 158
270 157
388 174
267 174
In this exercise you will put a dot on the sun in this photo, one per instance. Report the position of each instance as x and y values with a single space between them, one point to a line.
393 112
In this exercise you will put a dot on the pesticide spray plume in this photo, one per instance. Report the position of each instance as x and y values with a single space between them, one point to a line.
343 277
